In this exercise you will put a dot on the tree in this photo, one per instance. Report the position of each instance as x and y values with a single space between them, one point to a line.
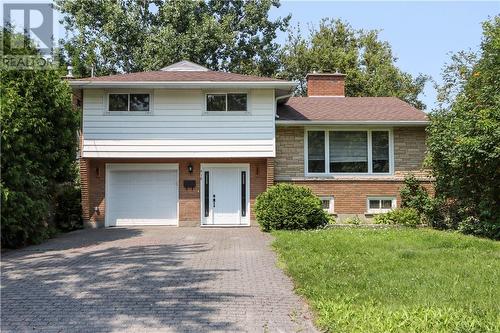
367 61
39 144
464 139
137 35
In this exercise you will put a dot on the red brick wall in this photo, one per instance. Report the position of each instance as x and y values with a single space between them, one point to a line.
93 173
350 195
325 85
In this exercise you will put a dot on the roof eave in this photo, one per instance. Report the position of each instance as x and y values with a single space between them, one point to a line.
182 84
353 122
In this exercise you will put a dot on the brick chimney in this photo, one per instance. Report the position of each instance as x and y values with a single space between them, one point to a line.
325 84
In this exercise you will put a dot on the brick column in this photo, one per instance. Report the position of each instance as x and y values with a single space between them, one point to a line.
270 172
84 184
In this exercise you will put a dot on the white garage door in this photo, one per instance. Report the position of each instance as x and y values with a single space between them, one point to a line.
141 195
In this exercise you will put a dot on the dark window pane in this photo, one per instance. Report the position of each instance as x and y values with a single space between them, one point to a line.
386 204
380 151
374 204
139 102
325 203
236 102
207 194
216 102
118 102
316 151
348 151
243 193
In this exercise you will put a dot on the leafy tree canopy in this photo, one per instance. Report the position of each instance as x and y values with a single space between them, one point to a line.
137 35
464 136
368 62
39 144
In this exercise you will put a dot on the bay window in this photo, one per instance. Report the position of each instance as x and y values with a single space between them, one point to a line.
348 152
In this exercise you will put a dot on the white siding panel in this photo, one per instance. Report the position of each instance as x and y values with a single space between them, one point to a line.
178 126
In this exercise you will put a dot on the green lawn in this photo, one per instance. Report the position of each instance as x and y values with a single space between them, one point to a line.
395 280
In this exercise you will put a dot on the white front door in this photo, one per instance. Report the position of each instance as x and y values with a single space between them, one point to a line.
225 195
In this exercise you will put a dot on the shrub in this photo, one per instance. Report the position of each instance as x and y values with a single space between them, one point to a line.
401 216
68 208
414 195
286 206
39 145
355 220
464 139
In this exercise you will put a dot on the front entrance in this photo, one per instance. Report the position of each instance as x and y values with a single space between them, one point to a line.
225 194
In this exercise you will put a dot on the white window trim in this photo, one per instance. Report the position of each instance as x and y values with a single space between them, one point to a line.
206 112
380 210
327 172
128 112
331 209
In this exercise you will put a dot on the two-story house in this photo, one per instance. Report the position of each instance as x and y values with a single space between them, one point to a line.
188 146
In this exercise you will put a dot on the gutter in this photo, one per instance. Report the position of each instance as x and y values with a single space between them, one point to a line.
180 84
353 122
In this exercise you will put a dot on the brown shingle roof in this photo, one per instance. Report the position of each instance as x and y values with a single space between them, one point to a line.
182 76
349 109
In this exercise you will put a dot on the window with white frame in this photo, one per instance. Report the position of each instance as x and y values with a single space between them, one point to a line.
348 152
328 204
377 205
129 102
227 102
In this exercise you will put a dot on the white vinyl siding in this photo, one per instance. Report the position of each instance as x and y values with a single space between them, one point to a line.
178 126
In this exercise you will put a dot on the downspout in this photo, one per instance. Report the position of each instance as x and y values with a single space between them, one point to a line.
276 104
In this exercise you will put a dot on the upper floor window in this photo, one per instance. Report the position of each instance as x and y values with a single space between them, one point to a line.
128 102
348 152
227 102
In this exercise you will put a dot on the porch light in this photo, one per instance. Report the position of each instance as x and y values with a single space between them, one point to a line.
190 168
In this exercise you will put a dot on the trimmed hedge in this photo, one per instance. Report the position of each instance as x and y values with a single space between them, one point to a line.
287 206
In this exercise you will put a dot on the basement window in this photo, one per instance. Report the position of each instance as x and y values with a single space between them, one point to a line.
377 205
328 204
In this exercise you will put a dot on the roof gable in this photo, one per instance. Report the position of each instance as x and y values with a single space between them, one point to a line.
184 66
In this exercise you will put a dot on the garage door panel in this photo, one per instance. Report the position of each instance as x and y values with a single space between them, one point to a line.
142 197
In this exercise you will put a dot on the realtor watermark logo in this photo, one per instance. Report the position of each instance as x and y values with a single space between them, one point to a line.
34 20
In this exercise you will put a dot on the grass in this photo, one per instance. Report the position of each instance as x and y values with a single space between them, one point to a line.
395 280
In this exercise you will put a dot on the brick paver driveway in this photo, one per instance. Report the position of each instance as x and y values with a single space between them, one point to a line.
150 280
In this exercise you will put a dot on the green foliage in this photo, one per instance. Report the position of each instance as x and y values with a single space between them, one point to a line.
367 61
287 206
394 280
408 217
464 142
39 130
131 36
355 220
68 208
